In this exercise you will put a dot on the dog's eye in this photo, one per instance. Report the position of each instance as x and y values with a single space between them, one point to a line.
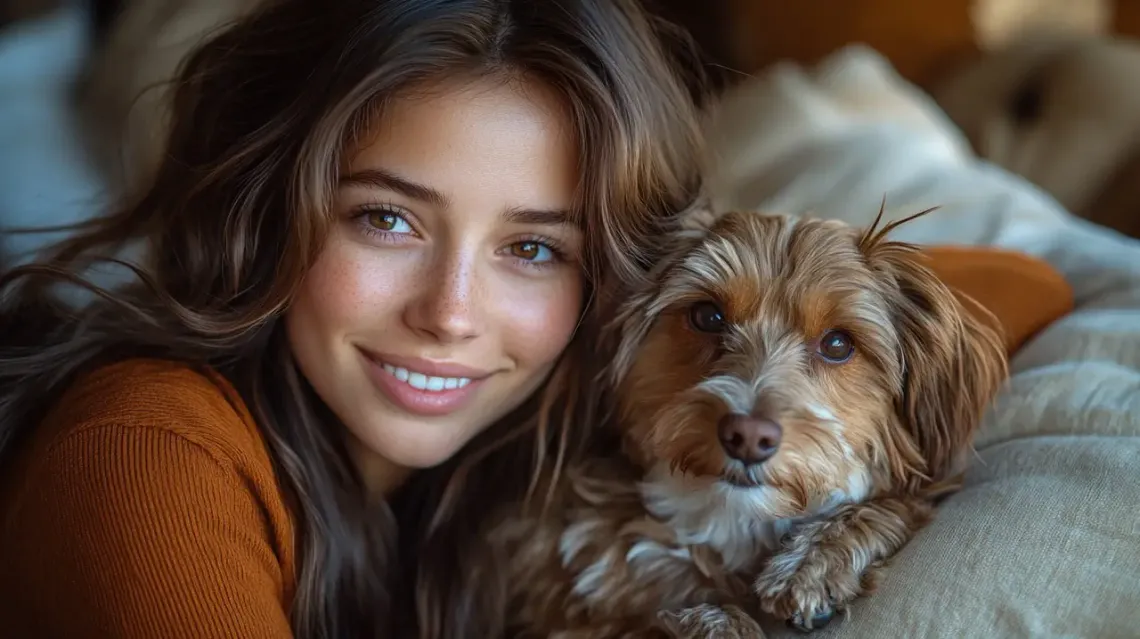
836 347
706 317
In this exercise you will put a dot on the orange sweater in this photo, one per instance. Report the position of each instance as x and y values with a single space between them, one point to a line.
146 504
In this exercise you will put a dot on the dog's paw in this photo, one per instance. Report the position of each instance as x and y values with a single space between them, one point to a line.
707 621
810 587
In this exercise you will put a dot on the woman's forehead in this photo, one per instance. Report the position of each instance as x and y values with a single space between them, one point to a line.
476 143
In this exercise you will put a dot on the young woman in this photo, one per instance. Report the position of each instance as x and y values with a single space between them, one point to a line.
374 253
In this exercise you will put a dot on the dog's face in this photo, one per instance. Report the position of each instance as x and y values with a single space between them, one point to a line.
803 360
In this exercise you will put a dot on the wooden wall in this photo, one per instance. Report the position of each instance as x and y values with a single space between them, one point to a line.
920 37
1126 17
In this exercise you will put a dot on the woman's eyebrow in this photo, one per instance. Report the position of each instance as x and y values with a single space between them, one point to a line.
383 179
380 178
540 217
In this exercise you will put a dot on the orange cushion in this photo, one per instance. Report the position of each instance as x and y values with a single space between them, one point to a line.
1024 293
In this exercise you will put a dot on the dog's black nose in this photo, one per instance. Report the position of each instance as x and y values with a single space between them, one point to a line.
751 440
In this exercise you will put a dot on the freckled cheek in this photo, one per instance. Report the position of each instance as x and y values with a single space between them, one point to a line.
349 285
539 318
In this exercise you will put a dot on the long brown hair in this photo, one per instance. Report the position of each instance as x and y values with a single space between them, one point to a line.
237 212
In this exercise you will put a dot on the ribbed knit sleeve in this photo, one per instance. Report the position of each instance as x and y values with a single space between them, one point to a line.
151 513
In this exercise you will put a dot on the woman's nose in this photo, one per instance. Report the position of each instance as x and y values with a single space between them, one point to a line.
448 305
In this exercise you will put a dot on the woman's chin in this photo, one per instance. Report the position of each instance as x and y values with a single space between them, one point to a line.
413 444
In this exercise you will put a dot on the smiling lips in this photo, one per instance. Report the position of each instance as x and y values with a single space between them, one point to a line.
423 387
424 382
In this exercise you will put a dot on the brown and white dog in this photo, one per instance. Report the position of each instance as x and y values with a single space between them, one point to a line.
793 396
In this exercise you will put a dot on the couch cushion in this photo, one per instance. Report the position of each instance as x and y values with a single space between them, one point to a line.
1024 293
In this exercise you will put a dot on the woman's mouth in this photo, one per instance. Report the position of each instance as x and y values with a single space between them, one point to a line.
420 381
423 387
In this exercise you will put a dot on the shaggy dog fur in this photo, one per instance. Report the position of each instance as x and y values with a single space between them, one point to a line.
793 396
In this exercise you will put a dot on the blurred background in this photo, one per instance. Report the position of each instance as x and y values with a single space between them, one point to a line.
1010 115
1048 89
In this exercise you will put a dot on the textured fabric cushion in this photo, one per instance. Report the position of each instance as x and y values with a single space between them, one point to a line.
1037 545
1043 539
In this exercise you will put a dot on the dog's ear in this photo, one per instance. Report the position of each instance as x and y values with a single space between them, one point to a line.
953 359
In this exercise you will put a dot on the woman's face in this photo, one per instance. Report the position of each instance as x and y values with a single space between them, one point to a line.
450 282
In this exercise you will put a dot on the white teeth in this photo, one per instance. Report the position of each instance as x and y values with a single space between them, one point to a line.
426 382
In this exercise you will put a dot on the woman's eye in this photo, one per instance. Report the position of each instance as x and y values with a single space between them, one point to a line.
532 251
388 222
